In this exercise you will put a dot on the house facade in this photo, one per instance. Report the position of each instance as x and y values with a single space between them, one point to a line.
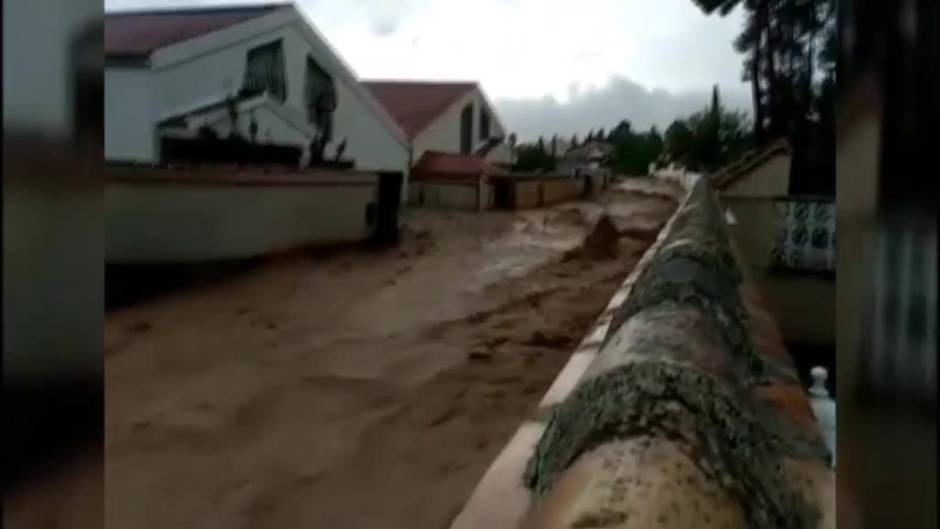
445 117
588 159
262 72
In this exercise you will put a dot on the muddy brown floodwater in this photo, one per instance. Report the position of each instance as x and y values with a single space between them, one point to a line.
356 388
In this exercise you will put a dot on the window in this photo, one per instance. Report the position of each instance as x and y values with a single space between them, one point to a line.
265 70
319 98
466 129
484 124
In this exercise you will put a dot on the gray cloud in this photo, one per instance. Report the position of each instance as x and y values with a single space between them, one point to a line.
604 107
384 27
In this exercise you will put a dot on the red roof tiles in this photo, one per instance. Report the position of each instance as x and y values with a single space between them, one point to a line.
137 33
416 104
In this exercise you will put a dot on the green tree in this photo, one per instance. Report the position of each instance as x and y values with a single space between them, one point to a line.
533 157
633 153
621 131
601 136
709 138
678 141
574 140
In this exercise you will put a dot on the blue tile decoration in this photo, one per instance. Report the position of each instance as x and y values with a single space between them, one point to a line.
807 238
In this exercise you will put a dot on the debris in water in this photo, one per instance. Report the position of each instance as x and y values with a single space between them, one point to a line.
601 243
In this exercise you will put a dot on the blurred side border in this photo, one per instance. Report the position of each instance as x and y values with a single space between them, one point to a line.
53 251
887 263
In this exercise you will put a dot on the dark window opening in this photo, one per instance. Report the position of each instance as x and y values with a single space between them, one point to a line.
320 103
466 129
264 71
484 124
319 92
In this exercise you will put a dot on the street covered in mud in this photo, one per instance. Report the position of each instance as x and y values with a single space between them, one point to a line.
358 387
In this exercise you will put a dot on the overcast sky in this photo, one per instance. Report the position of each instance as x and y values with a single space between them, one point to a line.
550 65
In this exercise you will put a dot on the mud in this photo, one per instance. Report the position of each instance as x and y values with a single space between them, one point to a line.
355 388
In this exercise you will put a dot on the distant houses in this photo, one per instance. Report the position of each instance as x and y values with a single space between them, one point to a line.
590 158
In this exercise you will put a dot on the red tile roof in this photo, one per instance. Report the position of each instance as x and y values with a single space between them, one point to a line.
416 104
441 164
137 33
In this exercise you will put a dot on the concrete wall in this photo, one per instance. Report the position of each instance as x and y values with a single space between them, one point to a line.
758 221
213 65
528 194
769 179
191 221
444 134
555 191
535 191
463 196
803 304
500 154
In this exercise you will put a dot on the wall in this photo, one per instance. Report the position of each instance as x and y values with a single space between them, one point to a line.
457 195
189 221
528 194
128 117
758 221
444 134
540 191
500 154
662 481
212 66
803 303
272 128
769 179
561 190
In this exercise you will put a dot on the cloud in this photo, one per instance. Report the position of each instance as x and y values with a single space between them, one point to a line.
383 27
619 99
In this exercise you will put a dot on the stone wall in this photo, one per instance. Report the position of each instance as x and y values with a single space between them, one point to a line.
692 414
681 408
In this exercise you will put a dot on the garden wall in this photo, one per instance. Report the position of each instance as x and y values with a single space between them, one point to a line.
681 408
182 216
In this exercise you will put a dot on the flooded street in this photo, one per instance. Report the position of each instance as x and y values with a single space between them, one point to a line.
356 388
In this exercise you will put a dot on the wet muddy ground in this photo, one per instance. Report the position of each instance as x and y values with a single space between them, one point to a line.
356 388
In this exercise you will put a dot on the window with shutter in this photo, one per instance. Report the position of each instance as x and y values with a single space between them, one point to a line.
264 71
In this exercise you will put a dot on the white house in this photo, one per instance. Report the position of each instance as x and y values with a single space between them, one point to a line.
445 117
263 70
588 159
